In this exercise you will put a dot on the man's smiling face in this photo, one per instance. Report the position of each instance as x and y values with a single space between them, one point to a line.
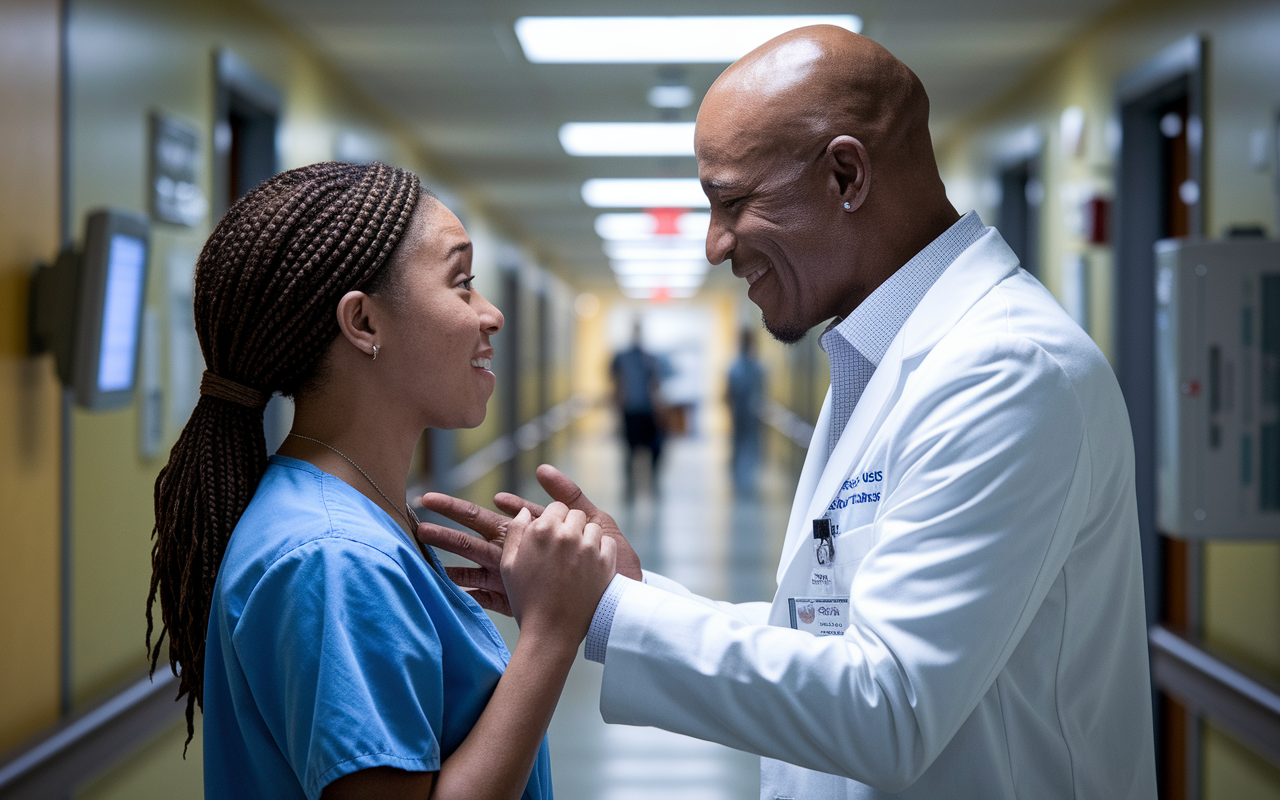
775 214
766 221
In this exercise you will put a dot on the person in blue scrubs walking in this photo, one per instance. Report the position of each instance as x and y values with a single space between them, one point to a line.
331 654
744 391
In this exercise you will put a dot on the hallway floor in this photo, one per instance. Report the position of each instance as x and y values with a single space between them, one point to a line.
698 532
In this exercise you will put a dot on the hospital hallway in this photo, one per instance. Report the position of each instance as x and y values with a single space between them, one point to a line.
715 543
1124 153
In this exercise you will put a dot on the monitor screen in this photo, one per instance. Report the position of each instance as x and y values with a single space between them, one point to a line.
126 271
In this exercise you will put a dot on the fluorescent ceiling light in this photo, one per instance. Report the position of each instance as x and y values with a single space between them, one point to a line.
671 97
658 40
659 294
659 267
656 281
641 226
627 138
678 250
644 193
652 294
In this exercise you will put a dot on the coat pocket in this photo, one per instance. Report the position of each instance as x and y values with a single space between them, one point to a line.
851 547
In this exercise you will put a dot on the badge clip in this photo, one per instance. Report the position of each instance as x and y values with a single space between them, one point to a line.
824 542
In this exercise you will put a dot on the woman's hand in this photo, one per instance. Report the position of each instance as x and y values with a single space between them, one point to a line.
555 569
483 582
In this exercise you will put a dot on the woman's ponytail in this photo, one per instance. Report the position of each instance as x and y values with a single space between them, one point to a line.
267 283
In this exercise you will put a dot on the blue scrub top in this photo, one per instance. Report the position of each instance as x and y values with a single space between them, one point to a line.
334 647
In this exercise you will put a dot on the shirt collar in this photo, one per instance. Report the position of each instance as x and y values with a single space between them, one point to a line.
871 326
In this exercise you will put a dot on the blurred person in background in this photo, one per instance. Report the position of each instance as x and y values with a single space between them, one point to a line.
745 394
329 651
637 381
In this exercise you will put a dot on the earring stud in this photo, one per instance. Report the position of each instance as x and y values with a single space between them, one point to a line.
375 352
848 207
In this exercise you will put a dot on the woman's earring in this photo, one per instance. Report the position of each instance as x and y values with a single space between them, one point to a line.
375 352
848 207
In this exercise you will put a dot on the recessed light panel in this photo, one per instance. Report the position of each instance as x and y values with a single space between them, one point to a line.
658 40
671 97
641 226
657 281
658 294
644 193
676 250
627 138
691 267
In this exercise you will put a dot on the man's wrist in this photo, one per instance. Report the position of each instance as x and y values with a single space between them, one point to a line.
597 641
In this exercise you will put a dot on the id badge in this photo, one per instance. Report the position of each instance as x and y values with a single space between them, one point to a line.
822 574
821 616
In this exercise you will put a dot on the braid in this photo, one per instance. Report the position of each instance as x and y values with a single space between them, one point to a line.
266 286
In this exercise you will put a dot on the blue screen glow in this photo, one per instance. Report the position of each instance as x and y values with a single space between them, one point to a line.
122 304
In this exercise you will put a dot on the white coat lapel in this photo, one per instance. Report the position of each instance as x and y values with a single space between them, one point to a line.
848 449
814 463
974 273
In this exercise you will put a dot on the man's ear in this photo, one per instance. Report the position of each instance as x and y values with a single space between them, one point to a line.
356 319
850 171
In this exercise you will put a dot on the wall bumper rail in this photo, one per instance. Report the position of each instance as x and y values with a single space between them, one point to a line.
1241 704
86 745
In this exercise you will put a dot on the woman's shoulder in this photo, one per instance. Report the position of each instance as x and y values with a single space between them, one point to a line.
300 511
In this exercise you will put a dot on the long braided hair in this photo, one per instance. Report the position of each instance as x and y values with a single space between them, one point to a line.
266 286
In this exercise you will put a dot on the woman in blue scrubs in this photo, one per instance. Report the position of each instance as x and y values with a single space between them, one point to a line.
330 653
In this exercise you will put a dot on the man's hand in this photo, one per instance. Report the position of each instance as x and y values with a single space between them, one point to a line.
564 490
484 582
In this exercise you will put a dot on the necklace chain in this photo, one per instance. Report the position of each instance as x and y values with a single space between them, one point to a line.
410 517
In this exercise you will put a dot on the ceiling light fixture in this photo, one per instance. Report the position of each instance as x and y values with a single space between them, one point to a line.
644 193
651 268
655 250
655 281
671 97
659 294
627 138
658 40
642 226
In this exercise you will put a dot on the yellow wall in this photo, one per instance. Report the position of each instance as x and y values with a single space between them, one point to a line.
1241 600
29 396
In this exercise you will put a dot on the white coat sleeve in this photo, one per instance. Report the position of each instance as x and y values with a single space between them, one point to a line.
985 485
755 613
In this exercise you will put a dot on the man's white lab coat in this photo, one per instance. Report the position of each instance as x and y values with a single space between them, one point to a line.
989 545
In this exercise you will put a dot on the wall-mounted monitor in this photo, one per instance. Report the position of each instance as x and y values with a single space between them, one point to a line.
112 285
87 309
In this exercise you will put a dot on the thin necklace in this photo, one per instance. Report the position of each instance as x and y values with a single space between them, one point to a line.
410 517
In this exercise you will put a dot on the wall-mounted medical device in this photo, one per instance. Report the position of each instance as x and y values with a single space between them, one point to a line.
87 309
1218 388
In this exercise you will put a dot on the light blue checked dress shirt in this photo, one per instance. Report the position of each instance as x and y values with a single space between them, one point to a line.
855 346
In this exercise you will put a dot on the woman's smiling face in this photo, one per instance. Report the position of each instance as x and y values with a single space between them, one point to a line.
438 341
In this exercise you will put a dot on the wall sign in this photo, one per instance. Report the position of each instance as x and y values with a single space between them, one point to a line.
176 195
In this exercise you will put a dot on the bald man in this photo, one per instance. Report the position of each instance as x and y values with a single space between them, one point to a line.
959 610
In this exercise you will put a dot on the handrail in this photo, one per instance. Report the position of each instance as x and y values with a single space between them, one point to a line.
75 751
508 446
1240 703
787 422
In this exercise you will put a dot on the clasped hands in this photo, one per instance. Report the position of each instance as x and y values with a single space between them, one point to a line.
532 554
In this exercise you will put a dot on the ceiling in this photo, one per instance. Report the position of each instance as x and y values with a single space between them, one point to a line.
455 73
